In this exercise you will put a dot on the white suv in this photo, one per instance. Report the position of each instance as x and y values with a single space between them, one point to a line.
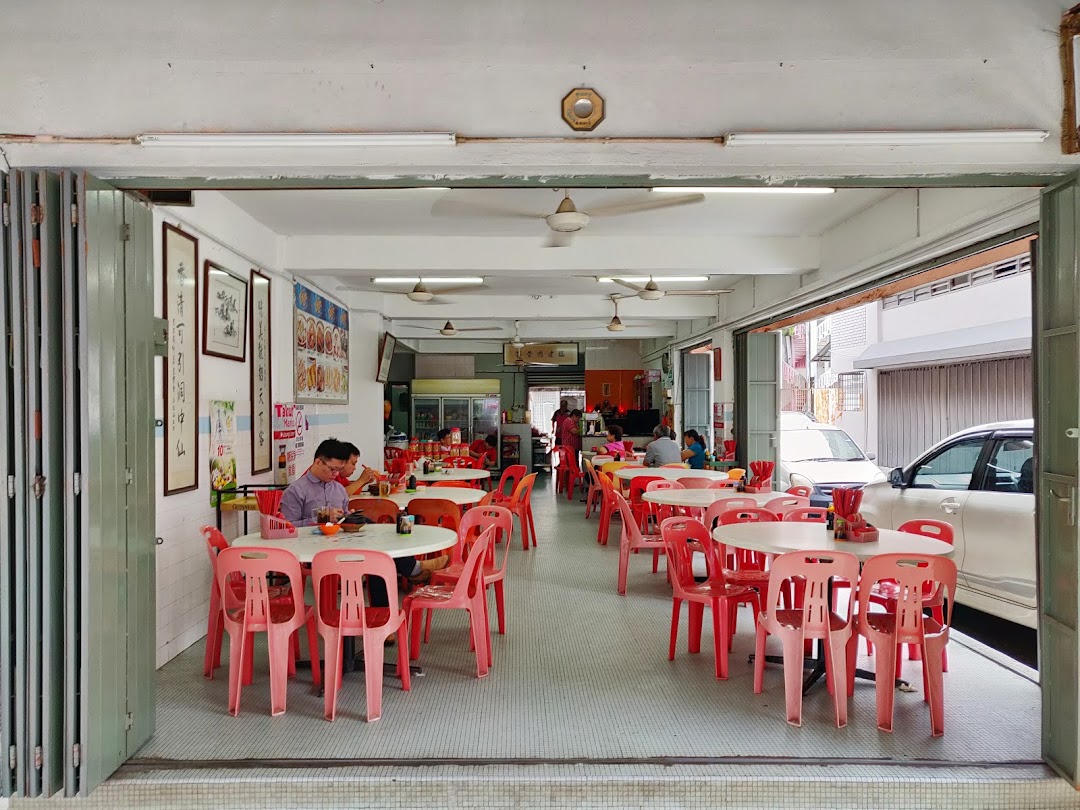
820 456
980 481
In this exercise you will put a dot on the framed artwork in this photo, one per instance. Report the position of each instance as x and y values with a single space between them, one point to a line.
225 300
262 406
321 341
180 307
386 355
717 365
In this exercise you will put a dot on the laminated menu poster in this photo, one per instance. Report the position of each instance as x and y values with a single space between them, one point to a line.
222 451
321 347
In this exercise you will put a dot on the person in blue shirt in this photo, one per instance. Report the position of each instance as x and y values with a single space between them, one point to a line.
694 454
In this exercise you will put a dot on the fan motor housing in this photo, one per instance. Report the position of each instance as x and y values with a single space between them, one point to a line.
567 222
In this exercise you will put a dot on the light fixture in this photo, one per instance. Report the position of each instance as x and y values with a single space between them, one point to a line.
743 190
973 137
645 279
428 280
288 140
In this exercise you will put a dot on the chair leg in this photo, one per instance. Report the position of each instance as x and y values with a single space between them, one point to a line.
213 638
332 666
793 676
935 684
532 524
697 614
938 612
475 617
414 635
373 675
676 605
655 560
885 685
249 659
279 648
624 565
237 665
403 655
852 660
759 657
426 616
836 666
720 608
500 606
313 650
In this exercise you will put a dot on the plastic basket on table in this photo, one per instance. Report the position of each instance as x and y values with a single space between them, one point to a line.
275 528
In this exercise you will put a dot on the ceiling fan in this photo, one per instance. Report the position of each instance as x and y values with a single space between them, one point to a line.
422 295
566 219
615 324
449 330
652 292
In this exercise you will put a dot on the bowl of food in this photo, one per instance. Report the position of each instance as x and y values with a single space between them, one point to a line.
329 528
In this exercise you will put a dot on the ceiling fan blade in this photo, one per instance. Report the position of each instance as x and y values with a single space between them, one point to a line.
461 209
628 286
425 328
646 205
481 329
558 239
436 291
697 292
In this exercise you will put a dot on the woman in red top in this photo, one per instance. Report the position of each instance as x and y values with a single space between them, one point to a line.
570 433
485 449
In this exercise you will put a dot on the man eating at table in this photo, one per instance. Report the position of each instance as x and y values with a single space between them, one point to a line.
318 489
366 477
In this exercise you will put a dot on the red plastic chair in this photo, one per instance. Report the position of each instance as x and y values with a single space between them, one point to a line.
435 512
806 514
717 508
802 492
729 450
680 536
474 523
885 593
907 625
379 510
508 483
595 493
638 487
723 483
695 483
521 505
746 515
785 503
338 577
659 512
465 594
571 474
258 613
631 539
814 618
750 567
607 506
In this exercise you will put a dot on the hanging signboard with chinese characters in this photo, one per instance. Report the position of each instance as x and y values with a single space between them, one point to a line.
321 347
548 354
180 262
262 417
222 451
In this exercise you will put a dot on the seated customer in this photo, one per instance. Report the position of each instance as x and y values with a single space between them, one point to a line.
366 477
694 454
662 449
485 449
318 488
615 444
444 441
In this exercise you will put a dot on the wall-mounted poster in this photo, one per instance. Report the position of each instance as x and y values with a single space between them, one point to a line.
262 414
222 451
180 267
224 313
322 347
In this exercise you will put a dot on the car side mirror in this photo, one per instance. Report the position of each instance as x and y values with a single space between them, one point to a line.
896 478
871 456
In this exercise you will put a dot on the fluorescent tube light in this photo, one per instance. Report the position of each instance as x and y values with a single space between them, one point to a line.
429 280
911 138
743 189
287 140
645 279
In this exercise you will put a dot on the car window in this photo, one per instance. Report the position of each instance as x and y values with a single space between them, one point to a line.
951 468
1011 466
818 445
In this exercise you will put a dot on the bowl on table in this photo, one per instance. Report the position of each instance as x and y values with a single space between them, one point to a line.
329 528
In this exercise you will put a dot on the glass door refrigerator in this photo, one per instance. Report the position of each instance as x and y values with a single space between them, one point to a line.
427 417
471 405
486 418
455 414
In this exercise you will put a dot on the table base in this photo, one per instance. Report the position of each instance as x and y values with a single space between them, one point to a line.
816 665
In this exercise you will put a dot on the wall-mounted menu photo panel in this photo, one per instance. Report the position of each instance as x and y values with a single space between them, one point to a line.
180 269
321 346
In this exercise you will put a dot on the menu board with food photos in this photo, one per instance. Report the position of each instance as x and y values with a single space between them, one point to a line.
322 347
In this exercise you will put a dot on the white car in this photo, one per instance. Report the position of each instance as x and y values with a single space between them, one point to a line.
979 481
820 456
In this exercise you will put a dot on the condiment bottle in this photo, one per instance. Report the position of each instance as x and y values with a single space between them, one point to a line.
830 518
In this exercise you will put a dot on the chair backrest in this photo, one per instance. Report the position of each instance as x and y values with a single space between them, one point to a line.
511 475
379 510
736 473
338 578
806 514
927 527
717 508
785 503
912 573
523 493
590 471
814 571
751 515
570 460
215 544
662 483
682 465
453 484
611 466
474 523
638 486
804 492
255 565
631 532
435 512
471 580
681 535
695 483
721 483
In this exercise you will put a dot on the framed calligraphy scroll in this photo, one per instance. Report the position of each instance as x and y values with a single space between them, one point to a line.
180 265
225 300
262 407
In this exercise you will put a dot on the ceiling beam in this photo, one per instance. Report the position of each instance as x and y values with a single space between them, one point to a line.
545 307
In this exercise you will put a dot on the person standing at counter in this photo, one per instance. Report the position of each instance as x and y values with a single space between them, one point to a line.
694 454
557 420
570 432
662 449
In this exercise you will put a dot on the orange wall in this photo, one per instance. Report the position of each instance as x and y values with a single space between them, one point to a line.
620 387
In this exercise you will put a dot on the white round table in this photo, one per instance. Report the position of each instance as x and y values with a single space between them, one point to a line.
670 473
454 474
780 538
383 537
704 498
462 496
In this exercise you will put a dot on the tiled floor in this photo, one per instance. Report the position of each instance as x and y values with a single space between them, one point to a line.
582 689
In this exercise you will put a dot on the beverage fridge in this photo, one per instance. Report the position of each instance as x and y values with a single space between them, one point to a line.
472 406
